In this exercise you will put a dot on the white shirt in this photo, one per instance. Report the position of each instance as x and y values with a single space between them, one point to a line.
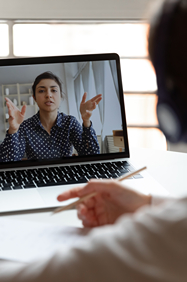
147 246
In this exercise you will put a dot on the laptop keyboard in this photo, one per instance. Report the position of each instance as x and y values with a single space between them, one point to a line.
62 175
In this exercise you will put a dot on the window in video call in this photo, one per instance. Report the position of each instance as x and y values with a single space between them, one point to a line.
68 137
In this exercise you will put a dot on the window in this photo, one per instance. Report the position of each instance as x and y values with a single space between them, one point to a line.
4 46
128 39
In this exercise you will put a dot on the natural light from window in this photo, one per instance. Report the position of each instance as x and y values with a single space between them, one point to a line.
58 39
4 46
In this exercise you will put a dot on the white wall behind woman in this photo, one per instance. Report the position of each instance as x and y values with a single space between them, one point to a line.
74 9
27 74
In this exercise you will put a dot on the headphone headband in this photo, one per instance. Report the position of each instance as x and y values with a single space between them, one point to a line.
171 117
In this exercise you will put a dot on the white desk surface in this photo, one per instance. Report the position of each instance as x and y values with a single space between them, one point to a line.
168 168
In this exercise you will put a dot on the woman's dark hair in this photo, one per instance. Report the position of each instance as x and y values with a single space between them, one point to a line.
46 75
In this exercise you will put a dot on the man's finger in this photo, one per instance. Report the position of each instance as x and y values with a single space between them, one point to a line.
73 193
81 208
90 203
90 223
88 215
97 185
99 210
102 219
81 212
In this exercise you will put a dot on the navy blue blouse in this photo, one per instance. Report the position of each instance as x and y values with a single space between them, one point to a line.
37 143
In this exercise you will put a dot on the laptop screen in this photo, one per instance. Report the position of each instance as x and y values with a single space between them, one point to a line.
61 109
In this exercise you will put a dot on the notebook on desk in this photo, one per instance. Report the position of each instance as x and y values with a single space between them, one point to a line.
37 165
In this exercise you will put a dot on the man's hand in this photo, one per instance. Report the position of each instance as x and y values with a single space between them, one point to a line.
86 108
111 201
15 116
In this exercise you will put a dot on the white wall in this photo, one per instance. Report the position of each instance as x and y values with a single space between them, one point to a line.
27 74
74 9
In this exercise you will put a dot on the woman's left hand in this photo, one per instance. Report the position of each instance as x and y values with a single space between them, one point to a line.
86 108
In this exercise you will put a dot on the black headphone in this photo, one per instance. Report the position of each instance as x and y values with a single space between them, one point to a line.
172 117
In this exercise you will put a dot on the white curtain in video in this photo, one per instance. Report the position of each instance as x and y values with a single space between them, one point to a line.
99 77
114 76
79 91
89 87
86 80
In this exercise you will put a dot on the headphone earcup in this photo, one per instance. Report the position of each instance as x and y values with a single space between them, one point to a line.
170 120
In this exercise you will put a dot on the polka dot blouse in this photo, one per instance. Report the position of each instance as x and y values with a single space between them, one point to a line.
37 143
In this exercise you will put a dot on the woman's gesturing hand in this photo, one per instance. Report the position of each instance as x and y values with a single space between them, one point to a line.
15 116
86 108
111 201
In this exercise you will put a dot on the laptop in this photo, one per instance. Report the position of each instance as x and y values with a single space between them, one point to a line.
35 165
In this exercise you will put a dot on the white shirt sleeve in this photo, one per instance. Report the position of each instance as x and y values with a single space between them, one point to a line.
157 200
148 246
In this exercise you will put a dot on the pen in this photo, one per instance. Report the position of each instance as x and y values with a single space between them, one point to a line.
67 207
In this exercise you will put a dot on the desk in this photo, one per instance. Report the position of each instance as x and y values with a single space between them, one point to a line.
168 168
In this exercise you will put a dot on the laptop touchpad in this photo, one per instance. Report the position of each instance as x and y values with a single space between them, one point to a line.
49 195
20 200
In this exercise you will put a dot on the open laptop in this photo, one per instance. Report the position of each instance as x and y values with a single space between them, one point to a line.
30 181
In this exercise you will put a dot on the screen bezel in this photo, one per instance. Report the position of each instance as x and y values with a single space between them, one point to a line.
70 59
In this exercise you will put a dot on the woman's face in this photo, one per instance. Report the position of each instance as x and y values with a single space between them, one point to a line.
47 95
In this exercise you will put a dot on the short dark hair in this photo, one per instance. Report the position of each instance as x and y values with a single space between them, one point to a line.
46 75
176 55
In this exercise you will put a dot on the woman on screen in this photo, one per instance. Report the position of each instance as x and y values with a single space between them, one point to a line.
49 134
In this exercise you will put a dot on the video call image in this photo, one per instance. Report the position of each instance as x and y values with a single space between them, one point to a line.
85 98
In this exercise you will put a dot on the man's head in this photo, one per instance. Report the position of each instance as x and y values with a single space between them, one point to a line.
168 52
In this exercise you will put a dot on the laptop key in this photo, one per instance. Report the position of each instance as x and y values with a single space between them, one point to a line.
125 163
83 180
15 187
28 184
52 184
6 188
138 176
103 175
31 185
123 171
5 184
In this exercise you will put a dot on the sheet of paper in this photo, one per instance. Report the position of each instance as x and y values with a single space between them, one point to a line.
26 241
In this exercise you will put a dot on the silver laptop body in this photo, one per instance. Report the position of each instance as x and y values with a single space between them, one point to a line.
93 74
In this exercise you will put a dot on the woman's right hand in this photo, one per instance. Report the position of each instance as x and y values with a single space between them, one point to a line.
15 116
